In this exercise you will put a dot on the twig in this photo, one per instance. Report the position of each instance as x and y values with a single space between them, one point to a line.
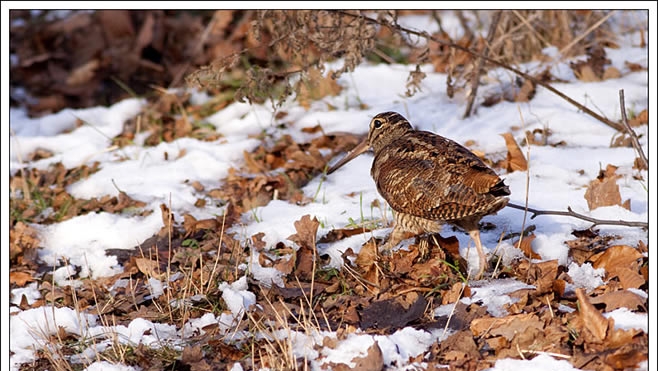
634 139
424 34
475 79
574 214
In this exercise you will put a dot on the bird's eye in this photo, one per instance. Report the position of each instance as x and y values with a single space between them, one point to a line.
378 124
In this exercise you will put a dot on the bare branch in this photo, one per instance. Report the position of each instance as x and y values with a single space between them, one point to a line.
631 132
424 34
574 214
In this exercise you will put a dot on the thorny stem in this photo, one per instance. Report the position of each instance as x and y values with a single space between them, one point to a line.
526 76
574 214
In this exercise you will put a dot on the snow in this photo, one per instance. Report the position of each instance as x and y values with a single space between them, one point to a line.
492 295
542 362
558 178
584 276
354 346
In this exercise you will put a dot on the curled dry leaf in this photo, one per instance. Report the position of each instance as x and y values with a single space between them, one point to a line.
515 158
367 262
525 244
623 262
591 318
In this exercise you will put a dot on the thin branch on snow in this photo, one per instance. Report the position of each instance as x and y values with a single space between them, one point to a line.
574 214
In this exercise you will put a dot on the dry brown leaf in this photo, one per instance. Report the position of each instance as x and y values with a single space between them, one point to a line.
367 262
541 274
593 68
453 294
393 313
507 327
611 73
634 67
342 233
625 359
148 267
23 244
619 299
307 229
372 361
459 349
515 158
525 244
604 191
586 73
20 279
526 92
623 262
312 129
591 318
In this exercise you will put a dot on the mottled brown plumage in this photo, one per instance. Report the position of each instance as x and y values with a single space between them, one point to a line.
429 180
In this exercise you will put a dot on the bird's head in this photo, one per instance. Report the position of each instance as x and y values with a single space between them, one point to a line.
384 128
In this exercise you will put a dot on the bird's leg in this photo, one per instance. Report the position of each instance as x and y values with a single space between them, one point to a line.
397 235
475 235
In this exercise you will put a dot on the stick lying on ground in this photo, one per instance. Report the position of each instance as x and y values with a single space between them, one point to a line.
574 214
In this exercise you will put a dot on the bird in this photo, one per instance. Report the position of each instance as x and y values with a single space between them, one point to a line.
429 180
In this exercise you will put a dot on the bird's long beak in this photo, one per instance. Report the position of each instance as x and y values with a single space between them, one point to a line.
359 149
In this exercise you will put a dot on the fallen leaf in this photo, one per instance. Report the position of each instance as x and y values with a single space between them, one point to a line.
367 261
458 349
312 129
619 299
392 313
525 245
507 327
604 191
611 73
373 360
342 233
515 158
148 267
307 229
591 318
623 262
592 69
20 279
541 274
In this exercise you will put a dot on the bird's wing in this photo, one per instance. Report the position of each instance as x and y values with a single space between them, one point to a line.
435 178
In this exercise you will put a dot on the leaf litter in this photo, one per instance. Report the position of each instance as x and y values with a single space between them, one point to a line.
372 294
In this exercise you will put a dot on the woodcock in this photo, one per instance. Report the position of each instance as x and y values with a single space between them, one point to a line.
429 180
